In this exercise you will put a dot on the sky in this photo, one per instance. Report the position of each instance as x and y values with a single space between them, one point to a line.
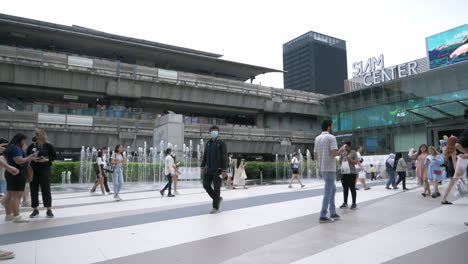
254 31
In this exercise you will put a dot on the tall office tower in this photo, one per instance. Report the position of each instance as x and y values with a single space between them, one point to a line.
315 63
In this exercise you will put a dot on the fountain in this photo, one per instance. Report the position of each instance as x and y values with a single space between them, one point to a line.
276 165
301 164
309 164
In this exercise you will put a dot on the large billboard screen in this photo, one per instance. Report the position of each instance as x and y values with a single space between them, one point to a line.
448 47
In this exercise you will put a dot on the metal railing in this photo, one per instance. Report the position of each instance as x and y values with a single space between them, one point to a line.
117 69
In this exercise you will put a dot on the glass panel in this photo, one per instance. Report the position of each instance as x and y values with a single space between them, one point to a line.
454 108
428 112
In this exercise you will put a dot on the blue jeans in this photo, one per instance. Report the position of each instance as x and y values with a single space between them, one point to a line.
329 191
117 179
391 178
2 186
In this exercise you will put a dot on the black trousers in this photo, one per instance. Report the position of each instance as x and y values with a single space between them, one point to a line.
349 183
212 184
41 178
401 178
372 174
169 183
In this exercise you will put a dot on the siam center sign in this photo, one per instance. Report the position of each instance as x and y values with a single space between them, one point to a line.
374 72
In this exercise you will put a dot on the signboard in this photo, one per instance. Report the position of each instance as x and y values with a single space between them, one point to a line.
448 47
374 72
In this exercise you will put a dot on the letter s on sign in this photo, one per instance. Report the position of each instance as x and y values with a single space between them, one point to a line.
357 66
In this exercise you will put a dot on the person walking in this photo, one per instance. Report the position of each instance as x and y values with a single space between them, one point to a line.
117 159
45 153
462 146
100 172
451 163
434 171
230 172
421 169
348 161
361 171
401 170
16 157
169 171
372 173
175 176
325 151
241 175
214 167
390 167
295 164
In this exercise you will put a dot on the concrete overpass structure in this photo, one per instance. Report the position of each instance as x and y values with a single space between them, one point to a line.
269 120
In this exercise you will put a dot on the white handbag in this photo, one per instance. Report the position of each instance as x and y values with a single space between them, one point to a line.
345 169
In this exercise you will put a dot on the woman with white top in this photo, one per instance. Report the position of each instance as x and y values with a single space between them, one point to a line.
101 173
117 159
361 171
169 170
240 176
295 163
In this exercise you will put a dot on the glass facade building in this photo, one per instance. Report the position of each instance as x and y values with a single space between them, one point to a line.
315 63
398 115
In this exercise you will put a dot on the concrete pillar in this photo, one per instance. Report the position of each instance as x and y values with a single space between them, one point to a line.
260 122
170 129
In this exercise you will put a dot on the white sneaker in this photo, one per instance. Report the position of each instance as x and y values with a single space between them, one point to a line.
9 218
18 219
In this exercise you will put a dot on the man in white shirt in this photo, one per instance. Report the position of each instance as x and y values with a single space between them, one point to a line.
325 151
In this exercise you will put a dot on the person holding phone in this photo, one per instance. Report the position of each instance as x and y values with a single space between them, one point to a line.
45 154
118 159
434 171
16 157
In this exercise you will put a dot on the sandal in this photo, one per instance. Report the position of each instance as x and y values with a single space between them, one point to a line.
6 255
423 194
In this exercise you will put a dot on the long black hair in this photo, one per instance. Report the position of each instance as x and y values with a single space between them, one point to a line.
167 151
398 156
419 150
116 150
100 153
16 141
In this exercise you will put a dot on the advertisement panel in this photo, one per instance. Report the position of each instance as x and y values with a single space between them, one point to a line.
448 47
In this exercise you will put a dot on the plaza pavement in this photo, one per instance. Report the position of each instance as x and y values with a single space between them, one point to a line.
263 224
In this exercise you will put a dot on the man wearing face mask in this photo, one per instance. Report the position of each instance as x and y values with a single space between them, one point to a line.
214 167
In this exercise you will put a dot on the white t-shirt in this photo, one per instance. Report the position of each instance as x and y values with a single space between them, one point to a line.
101 161
359 158
169 165
117 157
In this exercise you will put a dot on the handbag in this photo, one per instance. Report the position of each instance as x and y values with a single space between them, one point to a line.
345 169
109 168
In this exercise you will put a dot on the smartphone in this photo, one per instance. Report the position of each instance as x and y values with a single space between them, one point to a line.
3 141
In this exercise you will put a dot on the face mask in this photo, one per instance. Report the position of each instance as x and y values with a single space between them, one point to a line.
214 134
34 139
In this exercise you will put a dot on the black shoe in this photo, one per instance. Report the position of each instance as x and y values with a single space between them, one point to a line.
388 188
34 214
50 214
434 195
161 192
438 194
170 195
357 189
405 189
446 202
353 206
335 217
344 206
423 194
324 220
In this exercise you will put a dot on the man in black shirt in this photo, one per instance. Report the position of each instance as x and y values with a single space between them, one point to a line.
214 167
